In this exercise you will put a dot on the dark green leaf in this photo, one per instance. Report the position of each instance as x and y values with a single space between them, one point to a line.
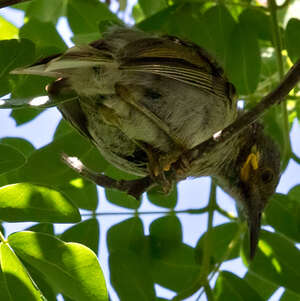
283 213
70 268
262 286
221 237
24 115
19 285
289 296
258 21
292 39
219 25
45 166
82 192
165 233
121 198
42 227
44 35
127 235
277 261
243 64
230 287
13 54
174 268
46 11
157 197
129 275
28 202
22 145
151 7
10 158
85 16
86 233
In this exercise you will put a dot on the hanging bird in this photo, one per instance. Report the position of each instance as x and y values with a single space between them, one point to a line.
144 100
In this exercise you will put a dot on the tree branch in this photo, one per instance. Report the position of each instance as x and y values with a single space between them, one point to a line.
131 187
5 3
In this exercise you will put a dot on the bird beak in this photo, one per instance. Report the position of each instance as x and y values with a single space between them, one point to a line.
254 220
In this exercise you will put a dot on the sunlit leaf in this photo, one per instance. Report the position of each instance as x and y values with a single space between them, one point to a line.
7 30
71 268
28 202
18 284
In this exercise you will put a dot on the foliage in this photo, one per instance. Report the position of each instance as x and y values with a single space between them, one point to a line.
255 44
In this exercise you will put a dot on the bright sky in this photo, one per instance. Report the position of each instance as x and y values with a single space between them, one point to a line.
192 193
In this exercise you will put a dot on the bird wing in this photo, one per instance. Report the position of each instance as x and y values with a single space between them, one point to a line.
76 57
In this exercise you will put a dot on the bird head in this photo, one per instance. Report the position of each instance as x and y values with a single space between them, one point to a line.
256 172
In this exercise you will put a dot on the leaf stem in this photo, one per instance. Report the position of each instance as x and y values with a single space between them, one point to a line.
187 211
278 49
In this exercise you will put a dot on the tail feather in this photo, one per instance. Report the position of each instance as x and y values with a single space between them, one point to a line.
76 57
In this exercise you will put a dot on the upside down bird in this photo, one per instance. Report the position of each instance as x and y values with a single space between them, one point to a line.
143 100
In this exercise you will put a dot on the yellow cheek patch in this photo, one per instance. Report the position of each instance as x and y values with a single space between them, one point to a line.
251 163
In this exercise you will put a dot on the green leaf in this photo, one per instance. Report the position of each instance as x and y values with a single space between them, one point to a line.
174 268
127 235
70 268
230 287
28 202
289 296
85 38
22 145
243 64
8 30
258 21
157 197
86 233
262 286
19 285
129 276
277 261
165 233
292 39
85 16
42 227
10 158
151 7
24 115
121 198
82 192
219 25
13 54
221 237
44 35
54 171
46 11
283 213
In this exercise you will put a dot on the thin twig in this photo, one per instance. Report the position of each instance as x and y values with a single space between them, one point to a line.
5 3
133 187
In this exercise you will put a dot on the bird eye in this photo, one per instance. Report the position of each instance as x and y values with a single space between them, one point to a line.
267 175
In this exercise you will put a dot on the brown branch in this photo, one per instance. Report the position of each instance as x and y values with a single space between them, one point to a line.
275 97
5 3
132 187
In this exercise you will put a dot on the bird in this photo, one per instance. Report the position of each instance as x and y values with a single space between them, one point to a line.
145 99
